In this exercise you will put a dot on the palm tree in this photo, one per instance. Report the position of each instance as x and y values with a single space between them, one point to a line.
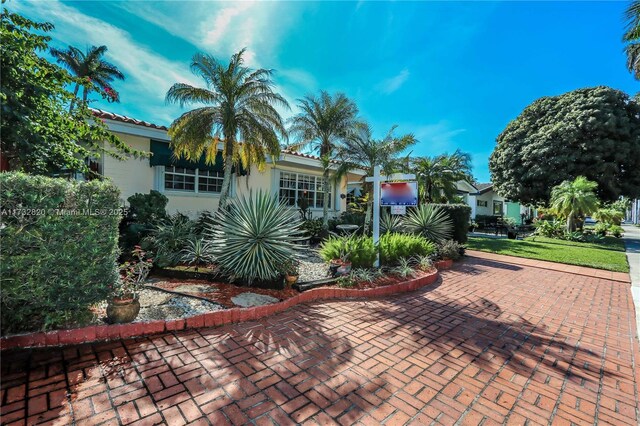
324 123
574 199
361 150
238 110
631 38
437 176
91 67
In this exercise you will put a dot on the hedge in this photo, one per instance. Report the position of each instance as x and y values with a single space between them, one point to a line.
460 214
59 242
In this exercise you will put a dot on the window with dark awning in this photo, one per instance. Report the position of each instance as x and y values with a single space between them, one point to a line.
163 156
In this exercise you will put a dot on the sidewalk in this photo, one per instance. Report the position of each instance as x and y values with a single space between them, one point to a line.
632 243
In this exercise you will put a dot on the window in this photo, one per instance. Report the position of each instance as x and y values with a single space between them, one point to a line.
192 180
296 186
482 203
497 208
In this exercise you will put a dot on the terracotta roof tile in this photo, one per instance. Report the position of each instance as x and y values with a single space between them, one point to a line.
124 119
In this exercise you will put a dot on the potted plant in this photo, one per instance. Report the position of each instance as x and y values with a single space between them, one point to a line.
124 306
291 273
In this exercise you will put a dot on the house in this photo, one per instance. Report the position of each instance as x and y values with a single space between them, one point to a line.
195 187
484 201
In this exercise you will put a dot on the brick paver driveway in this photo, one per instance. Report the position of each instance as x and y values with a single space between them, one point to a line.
491 343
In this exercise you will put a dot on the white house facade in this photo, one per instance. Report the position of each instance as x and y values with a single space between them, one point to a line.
195 187
484 201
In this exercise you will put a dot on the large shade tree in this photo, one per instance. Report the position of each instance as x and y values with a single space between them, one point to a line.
92 69
592 132
324 123
361 150
40 133
438 176
574 200
236 108
631 38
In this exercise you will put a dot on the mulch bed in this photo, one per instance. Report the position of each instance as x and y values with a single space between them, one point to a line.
224 291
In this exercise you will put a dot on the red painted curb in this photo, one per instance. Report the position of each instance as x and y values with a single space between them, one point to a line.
96 333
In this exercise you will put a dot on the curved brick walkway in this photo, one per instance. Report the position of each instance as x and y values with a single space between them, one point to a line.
492 342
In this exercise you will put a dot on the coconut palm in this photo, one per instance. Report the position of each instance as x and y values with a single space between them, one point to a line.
324 123
90 66
236 109
631 38
361 150
574 199
438 176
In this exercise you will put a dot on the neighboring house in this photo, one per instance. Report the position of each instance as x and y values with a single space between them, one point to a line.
633 214
484 201
195 187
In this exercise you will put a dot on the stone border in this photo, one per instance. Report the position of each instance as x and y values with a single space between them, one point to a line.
106 332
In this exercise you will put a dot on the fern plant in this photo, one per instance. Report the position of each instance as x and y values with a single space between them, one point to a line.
431 222
255 237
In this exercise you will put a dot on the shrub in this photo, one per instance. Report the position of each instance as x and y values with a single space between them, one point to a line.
601 229
451 249
365 275
167 239
431 222
394 247
424 263
460 215
53 266
616 231
205 221
358 249
313 229
550 228
255 237
145 210
609 216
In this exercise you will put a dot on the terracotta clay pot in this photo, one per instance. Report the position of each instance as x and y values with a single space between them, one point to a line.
121 311
291 279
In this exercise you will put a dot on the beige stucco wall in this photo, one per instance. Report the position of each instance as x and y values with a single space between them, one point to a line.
133 176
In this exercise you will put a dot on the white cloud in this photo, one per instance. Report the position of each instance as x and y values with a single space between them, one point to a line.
392 84
436 138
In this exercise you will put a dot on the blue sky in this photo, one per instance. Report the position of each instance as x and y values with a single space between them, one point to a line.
452 73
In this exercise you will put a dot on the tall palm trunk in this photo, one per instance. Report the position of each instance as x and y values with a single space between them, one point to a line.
571 224
325 198
226 178
368 214
75 95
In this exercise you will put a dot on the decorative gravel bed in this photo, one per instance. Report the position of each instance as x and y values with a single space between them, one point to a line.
158 305
312 267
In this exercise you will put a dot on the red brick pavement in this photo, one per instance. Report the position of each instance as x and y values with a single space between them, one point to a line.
490 343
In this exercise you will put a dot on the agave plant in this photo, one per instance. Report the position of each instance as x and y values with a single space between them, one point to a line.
431 222
390 223
255 237
197 252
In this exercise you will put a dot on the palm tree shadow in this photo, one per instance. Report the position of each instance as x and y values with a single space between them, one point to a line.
488 336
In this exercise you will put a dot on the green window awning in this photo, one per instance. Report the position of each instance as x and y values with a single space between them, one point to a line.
163 156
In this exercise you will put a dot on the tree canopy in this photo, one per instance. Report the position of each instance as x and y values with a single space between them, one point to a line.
593 132
40 135
438 176
631 38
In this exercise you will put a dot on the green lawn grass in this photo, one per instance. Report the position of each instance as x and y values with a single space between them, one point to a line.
608 254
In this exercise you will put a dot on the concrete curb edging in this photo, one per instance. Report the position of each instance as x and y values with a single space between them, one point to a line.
106 332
